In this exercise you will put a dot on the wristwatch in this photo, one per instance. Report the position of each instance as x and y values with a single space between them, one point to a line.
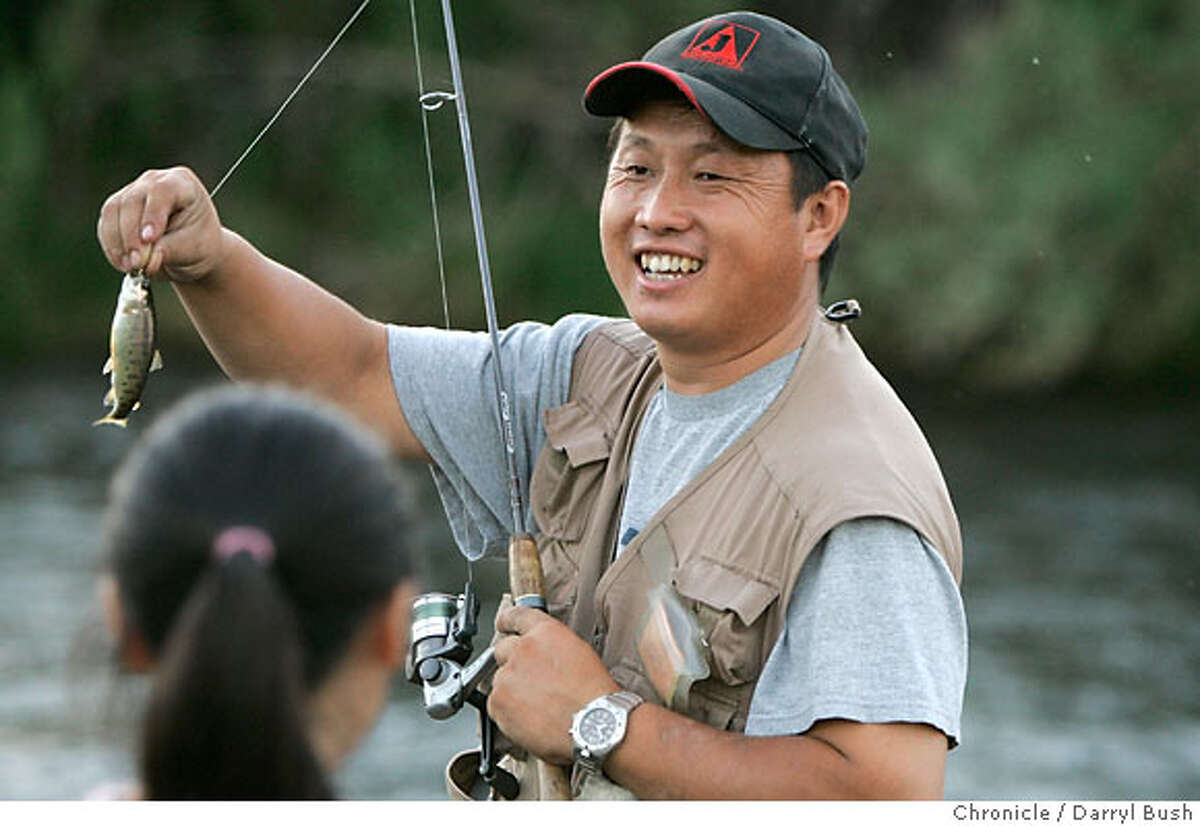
599 727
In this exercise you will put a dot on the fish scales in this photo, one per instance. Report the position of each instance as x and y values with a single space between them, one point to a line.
132 352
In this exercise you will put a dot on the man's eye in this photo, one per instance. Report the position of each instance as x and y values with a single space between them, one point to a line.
637 169
709 176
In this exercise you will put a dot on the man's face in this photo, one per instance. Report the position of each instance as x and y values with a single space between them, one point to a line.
700 236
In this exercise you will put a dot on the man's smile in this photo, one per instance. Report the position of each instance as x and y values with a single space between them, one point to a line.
664 266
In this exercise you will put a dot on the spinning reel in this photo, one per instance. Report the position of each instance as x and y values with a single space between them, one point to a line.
443 626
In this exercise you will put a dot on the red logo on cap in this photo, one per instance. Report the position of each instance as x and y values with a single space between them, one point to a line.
722 43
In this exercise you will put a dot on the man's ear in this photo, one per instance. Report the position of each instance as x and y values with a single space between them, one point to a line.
825 214
132 651
391 624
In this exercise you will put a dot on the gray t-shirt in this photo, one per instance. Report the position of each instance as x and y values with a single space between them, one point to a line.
904 660
681 435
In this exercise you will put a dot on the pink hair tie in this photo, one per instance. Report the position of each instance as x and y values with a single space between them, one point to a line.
244 538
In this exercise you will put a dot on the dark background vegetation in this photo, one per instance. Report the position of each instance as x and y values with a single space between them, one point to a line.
1028 218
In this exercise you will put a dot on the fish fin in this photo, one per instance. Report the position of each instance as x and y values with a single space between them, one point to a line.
107 368
109 397
156 362
110 420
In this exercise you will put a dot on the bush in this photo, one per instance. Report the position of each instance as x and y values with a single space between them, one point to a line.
1028 214
1029 211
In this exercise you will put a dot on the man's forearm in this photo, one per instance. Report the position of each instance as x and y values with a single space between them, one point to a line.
262 320
669 756
546 673
265 322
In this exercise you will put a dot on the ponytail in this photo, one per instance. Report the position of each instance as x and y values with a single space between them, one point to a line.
251 533
226 717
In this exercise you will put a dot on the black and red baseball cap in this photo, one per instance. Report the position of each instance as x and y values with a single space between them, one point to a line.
761 82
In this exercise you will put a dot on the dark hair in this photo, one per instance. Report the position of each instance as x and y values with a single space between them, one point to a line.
807 175
240 644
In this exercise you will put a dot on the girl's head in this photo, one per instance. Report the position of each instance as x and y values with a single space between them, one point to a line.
259 568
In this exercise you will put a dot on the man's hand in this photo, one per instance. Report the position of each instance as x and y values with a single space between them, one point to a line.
545 675
165 222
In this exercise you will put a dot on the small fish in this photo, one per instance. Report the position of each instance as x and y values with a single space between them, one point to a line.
132 355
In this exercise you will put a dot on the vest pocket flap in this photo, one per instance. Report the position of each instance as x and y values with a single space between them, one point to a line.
577 431
725 589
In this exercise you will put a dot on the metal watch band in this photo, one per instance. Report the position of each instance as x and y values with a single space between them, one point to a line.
626 700
623 701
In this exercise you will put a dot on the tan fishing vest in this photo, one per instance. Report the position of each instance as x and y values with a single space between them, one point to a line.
836 444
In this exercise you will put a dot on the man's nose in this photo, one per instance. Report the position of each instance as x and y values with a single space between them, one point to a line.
664 207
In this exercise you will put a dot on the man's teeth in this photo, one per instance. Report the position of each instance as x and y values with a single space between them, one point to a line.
668 267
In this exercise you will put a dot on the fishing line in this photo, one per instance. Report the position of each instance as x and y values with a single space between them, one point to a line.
430 102
288 100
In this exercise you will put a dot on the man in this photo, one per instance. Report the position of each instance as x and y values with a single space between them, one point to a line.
729 480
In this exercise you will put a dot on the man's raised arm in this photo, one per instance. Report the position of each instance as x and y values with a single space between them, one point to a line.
261 320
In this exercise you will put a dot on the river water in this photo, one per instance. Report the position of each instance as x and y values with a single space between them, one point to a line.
1081 518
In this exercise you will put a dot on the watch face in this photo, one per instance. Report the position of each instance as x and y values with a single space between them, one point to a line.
597 726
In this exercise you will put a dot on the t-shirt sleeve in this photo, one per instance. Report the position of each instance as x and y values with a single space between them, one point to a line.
445 382
875 633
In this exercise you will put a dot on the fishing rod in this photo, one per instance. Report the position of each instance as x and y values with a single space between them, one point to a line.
525 568
437 658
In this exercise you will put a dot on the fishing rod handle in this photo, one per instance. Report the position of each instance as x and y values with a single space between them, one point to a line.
528 588
525 572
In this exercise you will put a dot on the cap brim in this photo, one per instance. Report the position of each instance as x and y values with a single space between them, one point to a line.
619 90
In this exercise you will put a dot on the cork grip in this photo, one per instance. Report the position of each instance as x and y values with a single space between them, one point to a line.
525 582
525 572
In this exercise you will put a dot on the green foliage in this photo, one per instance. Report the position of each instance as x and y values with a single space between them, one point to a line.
1028 214
21 143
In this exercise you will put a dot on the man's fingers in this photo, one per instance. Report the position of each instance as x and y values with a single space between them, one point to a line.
502 650
160 204
519 619
108 231
156 211
135 221
129 220
512 622
158 254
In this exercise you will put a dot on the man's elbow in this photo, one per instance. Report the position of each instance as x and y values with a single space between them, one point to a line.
893 761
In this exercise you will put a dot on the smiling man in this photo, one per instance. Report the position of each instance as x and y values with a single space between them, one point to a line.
702 241
751 557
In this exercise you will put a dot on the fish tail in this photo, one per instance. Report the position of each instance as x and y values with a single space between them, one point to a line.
111 419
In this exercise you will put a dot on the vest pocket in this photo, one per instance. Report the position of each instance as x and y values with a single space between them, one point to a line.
566 478
730 606
716 709
559 574
568 471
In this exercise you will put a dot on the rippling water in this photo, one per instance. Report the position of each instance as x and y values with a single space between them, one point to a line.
1082 526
